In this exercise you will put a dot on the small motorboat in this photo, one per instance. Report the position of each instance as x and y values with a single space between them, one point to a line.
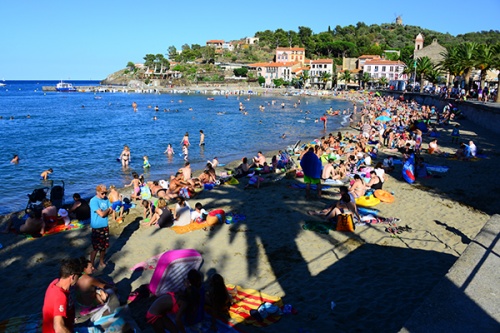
65 87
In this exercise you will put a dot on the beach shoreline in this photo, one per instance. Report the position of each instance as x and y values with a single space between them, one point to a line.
375 280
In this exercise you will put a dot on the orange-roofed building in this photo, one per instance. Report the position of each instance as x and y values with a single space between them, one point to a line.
287 54
217 43
275 70
318 69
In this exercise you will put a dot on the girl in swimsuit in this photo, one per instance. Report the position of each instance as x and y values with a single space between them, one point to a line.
183 305
170 150
185 140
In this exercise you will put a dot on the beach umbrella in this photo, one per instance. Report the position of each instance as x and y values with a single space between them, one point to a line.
383 118
377 94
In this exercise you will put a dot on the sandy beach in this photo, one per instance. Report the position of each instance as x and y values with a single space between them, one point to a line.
375 279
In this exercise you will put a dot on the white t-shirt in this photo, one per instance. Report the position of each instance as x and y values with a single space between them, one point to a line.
380 173
183 215
195 214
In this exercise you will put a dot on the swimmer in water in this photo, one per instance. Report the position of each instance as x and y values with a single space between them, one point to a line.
15 159
45 175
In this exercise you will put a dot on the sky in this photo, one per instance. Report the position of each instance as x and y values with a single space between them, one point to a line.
88 40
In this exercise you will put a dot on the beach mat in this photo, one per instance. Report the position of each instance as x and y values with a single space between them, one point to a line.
313 186
22 324
205 326
246 300
321 227
75 224
193 226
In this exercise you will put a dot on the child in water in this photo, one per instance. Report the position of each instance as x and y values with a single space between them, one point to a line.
185 152
169 151
146 164
45 175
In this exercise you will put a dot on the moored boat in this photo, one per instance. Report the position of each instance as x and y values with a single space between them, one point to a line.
64 86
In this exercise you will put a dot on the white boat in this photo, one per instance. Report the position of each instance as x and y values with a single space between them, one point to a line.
2 84
64 86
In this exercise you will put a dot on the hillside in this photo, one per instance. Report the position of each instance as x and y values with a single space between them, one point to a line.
196 62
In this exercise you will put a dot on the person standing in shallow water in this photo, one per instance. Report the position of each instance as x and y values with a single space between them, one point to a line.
125 157
202 138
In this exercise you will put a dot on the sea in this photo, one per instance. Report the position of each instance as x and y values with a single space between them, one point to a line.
80 135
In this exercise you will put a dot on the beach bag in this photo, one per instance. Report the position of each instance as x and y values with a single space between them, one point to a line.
345 223
145 193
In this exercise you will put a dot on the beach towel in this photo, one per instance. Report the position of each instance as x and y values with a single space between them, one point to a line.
235 218
321 227
194 226
245 300
55 229
303 186
23 324
205 325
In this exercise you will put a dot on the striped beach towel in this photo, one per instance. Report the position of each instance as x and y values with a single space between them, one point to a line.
245 300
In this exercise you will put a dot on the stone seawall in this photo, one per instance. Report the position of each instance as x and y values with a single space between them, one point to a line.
486 115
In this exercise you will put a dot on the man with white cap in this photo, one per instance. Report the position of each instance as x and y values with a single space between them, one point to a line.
100 209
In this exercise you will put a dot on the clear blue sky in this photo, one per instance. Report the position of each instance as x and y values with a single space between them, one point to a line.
90 39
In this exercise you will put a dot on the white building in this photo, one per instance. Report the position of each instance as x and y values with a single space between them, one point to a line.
317 69
392 70
275 70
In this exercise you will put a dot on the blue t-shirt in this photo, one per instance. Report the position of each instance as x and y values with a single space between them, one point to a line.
97 221
311 165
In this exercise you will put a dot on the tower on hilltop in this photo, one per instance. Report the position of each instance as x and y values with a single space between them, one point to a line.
399 20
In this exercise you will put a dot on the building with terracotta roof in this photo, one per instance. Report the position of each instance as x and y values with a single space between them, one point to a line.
275 70
433 51
318 68
287 54
217 43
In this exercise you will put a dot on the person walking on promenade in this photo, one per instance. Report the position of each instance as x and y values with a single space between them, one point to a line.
100 209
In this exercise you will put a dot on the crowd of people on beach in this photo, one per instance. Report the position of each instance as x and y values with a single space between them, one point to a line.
394 128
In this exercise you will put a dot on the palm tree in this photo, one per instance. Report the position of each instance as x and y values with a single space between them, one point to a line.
365 79
496 64
325 77
466 60
484 58
383 81
434 75
424 66
304 78
346 77
449 63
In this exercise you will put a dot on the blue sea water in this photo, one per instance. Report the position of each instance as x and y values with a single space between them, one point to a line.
81 135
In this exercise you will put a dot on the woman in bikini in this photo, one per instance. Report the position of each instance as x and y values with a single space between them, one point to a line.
125 157
182 304
358 188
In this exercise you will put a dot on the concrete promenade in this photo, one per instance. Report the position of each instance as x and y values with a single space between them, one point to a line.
468 298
